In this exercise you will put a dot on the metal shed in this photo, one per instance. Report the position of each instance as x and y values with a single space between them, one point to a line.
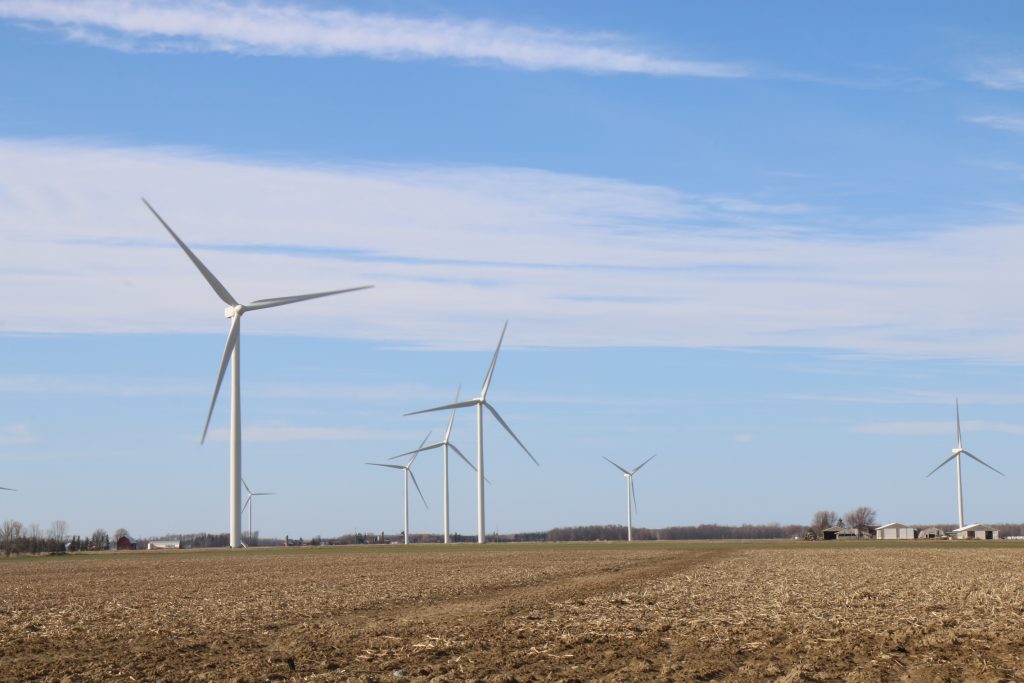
976 531
894 531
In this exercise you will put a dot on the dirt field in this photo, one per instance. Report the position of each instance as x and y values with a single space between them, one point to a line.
701 611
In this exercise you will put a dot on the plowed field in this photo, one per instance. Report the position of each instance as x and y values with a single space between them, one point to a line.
657 611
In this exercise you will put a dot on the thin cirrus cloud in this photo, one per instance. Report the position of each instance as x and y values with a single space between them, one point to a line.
575 261
935 427
999 77
1013 124
296 30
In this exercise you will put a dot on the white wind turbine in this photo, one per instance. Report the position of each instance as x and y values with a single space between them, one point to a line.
630 493
957 452
481 402
249 503
407 472
232 350
444 444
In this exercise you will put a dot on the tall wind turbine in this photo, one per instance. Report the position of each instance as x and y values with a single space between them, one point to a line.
630 493
407 472
249 503
232 350
444 444
957 452
481 402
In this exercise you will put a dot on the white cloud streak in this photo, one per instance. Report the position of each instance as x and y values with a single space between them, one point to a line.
16 435
928 428
256 28
573 261
1013 124
1000 77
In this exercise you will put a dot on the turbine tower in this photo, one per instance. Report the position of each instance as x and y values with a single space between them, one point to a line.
249 503
444 444
232 351
957 452
481 402
407 472
630 493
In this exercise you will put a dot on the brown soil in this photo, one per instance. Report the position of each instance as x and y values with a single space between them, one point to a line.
801 612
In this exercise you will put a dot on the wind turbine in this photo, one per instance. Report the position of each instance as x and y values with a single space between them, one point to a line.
407 469
444 444
249 503
630 493
481 402
232 350
957 452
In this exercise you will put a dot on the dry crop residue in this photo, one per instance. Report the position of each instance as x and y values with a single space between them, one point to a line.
654 611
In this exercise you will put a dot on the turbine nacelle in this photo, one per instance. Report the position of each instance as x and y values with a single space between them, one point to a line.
232 311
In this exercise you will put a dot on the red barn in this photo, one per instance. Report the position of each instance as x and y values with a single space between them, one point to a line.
126 543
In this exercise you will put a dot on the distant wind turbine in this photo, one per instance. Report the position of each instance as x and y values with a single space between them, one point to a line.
444 444
407 472
630 493
957 452
481 402
232 350
249 503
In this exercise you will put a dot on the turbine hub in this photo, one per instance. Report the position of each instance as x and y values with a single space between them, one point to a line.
232 311
957 451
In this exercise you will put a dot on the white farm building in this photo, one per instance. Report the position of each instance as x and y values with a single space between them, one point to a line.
894 531
976 531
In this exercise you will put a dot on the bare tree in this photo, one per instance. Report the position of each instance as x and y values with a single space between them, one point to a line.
121 531
99 540
10 532
58 533
863 518
823 519
34 536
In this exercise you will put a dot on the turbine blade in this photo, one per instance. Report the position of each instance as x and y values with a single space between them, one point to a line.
247 499
637 468
416 484
383 464
7 489
247 489
450 406
461 455
228 348
265 493
940 465
494 360
221 290
417 450
620 467
959 442
972 455
451 419
633 491
282 300
511 433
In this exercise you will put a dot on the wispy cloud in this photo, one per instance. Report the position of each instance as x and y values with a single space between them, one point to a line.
299 30
277 433
922 428
999 77
16 434
1014 124
575 261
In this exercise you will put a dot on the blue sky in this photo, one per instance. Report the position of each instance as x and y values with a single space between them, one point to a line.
769 243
